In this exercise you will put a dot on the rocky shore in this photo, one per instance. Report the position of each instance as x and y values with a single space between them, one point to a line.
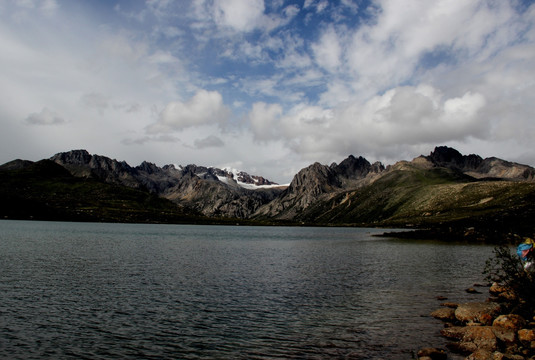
489 330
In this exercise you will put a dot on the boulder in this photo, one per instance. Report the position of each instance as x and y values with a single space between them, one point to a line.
497 289
444 314
481 354
432 353
511 321
498 356
478 312
454 332
505 335
502 292
477 338
526 335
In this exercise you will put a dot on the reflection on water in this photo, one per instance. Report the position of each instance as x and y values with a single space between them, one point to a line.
81 290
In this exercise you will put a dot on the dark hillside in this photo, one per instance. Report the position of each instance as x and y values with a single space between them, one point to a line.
450 204
45 190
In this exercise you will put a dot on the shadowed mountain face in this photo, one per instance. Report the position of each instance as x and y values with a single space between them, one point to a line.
477 167
45 190
444 187
211 191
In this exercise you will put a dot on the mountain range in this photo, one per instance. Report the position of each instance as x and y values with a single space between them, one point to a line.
464 194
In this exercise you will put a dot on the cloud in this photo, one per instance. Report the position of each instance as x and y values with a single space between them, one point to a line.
241 15
45 117
234 17
403 116
312 80
328 51
204 108
164 138
391 48
264 120
208 142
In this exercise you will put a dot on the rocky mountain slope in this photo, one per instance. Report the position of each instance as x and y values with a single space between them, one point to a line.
478 167
468 193
444 189
317 184
210 191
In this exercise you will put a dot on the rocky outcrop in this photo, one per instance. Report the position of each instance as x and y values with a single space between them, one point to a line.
212 197
486 330
245 178
498 168
356 168
479 168
211 191
306 188
481 313
82 164
448 157
317 183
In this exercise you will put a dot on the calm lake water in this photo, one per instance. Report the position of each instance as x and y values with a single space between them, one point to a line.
120 291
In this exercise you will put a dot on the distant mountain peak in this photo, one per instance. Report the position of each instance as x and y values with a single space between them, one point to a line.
477 167
450 157
352 191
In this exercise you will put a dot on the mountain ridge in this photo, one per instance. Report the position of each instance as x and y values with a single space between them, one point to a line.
444 187
197 187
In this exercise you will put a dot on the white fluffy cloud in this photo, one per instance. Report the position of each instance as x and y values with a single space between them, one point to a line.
328 51
310 81
204 108
402 116
265 119
241 15
389 51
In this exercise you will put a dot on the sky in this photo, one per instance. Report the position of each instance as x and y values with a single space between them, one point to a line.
267 87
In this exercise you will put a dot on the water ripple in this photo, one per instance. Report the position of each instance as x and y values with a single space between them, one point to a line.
111 291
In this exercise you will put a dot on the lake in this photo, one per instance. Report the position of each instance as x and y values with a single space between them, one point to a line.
125 291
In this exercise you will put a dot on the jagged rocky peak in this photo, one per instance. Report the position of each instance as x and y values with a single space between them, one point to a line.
82 164
84 158
244 178
449 157
356 168
203 172
73 157
478 167
260 180
228 176
148 167
316 177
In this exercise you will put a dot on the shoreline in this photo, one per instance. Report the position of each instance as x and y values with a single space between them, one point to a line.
483 330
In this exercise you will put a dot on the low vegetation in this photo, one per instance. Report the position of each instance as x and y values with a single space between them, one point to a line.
506 268
439 202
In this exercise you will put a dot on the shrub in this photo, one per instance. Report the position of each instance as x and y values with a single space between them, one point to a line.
506 268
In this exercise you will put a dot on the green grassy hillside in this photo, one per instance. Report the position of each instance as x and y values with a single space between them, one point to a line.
437 198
